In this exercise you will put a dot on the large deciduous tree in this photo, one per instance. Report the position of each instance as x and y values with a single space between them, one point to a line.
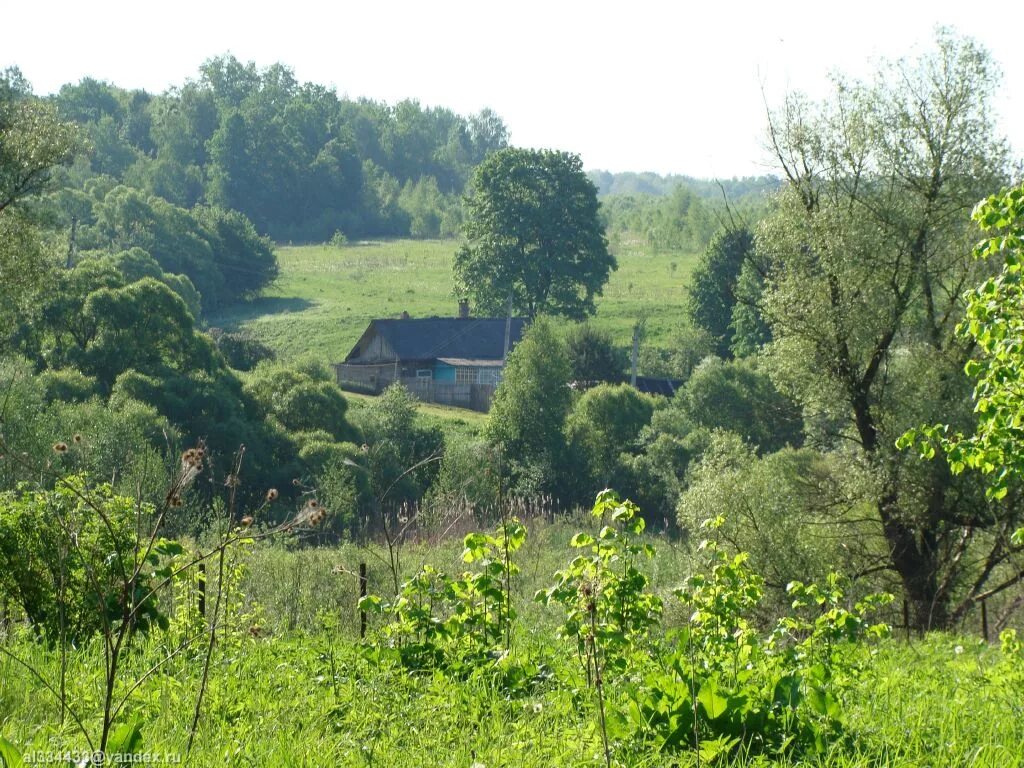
32 140
869 255
533 235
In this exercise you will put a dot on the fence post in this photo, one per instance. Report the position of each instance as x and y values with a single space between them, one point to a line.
906 617
201 586
362 594
984 620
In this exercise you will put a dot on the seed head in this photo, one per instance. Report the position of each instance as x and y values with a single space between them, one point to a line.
77 438
60 447
247 521
272 494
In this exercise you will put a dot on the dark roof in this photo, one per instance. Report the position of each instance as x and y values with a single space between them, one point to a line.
478 338
653 386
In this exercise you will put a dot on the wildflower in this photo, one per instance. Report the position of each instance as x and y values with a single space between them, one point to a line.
311 514
272 494
958 650
60 447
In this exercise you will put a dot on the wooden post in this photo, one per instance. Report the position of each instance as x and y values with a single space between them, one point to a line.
984 620
201 586
906 617
362 594
635 355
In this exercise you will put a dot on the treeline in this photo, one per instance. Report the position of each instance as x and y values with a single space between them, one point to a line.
679 212
295 158
648 183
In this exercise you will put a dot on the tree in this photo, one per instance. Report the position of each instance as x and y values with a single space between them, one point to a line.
593 355
533 236
724 292
994 322
868 256
604 423
530 406
737 397
32 141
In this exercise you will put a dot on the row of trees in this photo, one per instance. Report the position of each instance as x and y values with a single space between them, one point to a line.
297 160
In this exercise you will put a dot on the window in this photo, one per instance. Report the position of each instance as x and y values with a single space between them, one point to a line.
465 375
424 373
490 376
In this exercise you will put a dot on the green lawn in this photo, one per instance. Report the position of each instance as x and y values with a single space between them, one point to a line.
326 296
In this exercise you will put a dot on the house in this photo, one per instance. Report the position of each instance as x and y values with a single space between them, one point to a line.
450 360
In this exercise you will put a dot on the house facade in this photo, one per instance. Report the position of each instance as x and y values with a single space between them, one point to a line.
449 360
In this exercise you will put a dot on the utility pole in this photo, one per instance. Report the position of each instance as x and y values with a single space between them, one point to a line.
508 328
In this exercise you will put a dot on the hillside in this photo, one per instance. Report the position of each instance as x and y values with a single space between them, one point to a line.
326 295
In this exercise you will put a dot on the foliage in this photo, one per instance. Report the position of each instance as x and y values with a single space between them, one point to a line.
301 402
685 349
738 397
864 289
69 592
994 319
529 409
724 688
296 159
713 289
402 455
604 423
793 511
32 141
610 611
533 235
455 623
242 351
593 356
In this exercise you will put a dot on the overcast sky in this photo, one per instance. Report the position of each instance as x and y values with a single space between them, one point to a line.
634 85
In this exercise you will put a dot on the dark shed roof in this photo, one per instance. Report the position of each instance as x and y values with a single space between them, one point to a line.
654 386
432 337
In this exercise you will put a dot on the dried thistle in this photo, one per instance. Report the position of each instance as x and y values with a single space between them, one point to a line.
60 447
272 494
246 521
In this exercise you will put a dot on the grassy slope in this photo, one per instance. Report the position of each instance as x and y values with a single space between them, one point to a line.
326 296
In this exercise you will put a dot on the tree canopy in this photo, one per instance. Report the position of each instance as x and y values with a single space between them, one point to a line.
868 254
533 236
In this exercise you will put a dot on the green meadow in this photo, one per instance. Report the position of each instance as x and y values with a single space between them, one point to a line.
325 296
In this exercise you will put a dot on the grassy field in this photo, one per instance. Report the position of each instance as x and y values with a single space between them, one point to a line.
326 296
304 692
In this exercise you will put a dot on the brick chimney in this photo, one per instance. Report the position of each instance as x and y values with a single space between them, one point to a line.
463 309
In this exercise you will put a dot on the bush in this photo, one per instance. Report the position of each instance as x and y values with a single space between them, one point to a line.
242 351
63 589
67 385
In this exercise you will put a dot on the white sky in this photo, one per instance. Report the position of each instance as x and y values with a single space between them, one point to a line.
631 85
